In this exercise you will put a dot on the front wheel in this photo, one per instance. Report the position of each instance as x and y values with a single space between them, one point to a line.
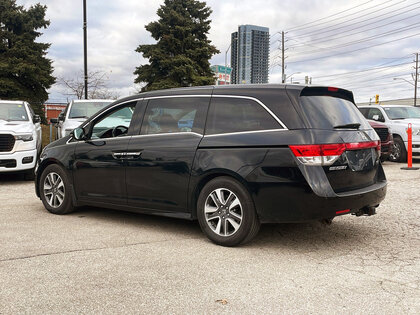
399 153
55 190
226 212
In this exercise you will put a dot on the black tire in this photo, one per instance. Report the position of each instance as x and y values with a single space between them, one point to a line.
399 153
66 206
29 175
248 225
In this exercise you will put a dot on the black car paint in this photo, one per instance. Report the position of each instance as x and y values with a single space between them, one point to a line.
171 171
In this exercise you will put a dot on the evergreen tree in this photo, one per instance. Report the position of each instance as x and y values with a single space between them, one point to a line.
182 52
25 72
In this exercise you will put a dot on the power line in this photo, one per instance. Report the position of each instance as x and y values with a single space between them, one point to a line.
363 48
335 14
303 44
371 80
380 35
364 70
328 29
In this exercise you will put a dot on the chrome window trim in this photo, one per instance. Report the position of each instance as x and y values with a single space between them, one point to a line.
244 132
170 133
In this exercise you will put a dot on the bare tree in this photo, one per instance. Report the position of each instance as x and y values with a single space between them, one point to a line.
97 86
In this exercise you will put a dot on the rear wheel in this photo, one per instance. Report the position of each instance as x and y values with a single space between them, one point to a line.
399 153
55 190
226 212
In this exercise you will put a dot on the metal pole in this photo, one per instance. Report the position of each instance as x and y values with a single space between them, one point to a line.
226 61
85 48
282 58
415 79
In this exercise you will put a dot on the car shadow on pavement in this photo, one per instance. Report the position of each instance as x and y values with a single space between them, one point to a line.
9 178
297 236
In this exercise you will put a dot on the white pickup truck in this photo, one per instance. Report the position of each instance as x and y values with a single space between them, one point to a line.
397 118
20 138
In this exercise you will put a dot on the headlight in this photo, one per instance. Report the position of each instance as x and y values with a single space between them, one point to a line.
24 137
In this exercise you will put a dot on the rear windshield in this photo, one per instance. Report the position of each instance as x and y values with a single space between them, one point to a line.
327 112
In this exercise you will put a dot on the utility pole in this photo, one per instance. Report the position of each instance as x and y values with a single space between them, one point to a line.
415 79
85 48
283 78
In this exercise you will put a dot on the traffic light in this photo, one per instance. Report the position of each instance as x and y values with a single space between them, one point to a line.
377 98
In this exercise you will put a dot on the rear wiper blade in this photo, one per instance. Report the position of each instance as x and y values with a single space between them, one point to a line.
350 126
399 118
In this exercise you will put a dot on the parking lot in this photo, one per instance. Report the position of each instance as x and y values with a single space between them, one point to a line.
98 260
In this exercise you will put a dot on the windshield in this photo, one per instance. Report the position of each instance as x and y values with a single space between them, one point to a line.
86 109
327 112
402 112
13 112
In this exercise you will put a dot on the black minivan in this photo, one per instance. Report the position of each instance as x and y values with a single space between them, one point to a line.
230 156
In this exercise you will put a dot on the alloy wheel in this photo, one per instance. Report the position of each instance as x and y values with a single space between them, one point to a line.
223 212
54 190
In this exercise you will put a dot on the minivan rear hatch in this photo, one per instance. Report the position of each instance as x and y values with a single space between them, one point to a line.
331 111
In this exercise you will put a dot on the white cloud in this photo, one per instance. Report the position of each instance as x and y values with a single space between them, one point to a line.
116 28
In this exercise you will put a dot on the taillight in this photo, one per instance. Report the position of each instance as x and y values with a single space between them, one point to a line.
327 154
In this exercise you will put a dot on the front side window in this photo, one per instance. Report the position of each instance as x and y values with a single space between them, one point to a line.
178 114
85 109
13 112
114 123
228 115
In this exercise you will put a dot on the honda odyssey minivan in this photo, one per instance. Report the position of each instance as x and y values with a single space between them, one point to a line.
231 157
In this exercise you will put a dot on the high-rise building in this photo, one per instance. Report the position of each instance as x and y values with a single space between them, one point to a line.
250 54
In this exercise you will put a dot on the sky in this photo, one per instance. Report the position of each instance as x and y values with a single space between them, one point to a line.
366 46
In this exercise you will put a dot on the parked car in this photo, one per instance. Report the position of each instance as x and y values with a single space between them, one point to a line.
397 118
20 138
230 156
76 112
385 134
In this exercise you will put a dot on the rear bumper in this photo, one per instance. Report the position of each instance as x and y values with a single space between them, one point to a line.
300 204
309 196
14 162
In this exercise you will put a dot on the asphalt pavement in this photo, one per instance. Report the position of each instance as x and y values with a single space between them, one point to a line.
105 261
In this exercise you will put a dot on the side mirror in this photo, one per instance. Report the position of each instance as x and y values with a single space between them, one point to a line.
36 119
61 116
375 117
78 133
54 120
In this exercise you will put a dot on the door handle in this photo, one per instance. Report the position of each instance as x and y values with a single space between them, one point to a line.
118 155
132 155
125 155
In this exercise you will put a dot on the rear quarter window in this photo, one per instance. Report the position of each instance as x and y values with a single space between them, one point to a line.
227 115
325 112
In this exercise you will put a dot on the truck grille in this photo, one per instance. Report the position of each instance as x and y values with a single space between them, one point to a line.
382 133
7 142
